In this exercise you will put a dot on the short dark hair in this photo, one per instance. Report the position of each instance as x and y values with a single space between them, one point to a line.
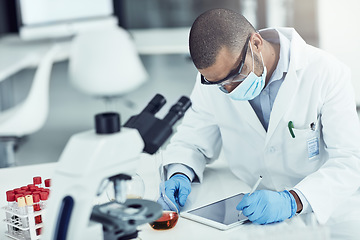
215 29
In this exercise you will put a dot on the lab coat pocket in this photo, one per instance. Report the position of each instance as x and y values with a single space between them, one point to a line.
310 135
302 149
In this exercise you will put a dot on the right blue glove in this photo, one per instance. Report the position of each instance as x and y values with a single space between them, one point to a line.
264 206
177 189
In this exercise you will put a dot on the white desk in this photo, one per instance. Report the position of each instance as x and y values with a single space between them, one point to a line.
16 54
218 183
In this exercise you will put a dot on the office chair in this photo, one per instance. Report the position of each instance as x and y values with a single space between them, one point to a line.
28 116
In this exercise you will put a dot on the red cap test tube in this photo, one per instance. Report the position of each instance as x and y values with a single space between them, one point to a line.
37 181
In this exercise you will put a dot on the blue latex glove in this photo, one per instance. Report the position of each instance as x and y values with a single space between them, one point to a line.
177 189
264 206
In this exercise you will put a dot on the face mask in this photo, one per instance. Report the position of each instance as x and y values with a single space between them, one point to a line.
251 86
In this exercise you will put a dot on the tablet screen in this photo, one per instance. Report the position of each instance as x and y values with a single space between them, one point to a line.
223 211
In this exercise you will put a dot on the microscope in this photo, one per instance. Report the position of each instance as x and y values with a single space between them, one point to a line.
92 159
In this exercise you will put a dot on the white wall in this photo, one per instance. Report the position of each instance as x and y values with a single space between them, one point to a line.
339 34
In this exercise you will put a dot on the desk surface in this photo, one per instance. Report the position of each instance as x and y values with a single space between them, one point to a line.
219 182
16 54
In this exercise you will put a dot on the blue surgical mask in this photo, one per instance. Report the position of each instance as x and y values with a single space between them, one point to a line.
251 86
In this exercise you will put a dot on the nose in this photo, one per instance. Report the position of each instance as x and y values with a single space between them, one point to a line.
230 87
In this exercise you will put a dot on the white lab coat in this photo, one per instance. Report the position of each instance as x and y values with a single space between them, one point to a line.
317 89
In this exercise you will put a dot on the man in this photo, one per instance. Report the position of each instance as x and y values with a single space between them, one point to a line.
278 108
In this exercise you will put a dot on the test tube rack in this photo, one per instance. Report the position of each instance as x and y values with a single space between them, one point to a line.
22 227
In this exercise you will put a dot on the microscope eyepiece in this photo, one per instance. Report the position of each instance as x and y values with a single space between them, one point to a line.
177 110
156 131
156 103
107 123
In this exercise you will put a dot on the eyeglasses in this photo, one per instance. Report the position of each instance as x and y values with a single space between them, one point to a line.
234 76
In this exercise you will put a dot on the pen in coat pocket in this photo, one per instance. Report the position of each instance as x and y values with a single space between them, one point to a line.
291 126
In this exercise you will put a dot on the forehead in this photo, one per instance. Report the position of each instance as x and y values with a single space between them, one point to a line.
226 60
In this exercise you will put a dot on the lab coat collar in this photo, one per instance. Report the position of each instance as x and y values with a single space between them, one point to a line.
286 92
289 87
298 54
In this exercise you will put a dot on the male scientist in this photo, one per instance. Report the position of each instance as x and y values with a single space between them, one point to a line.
276 107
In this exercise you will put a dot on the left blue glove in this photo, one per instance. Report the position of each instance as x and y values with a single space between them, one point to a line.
177 189
264 206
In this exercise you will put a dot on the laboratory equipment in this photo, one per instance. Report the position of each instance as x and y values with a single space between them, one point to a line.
93 158
135 188
168 220
170 216
220 214
24 216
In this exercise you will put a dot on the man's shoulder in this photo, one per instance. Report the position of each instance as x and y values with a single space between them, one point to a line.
324 60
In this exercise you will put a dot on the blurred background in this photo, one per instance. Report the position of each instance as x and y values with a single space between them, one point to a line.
328 24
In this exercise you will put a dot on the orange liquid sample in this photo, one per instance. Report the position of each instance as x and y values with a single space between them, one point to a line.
166 221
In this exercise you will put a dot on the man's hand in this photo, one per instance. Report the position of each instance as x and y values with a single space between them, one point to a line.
177 189
264 206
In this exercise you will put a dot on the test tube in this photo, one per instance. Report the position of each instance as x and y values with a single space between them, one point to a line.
22 211
36 199
21 192
10 197
16 206
37 192
33 188
29 202
16 190
43 197
38 219
27 193
47 183
30 209
37 181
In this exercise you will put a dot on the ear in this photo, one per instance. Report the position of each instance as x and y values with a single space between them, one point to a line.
257 41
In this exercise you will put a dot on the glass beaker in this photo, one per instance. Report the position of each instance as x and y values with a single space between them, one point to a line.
169 218
135 188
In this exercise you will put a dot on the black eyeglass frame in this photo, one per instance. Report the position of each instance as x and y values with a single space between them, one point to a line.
233 73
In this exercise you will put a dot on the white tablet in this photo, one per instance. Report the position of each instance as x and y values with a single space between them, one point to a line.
221 214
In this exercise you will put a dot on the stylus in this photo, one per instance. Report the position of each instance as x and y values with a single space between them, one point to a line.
255 186
253 190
